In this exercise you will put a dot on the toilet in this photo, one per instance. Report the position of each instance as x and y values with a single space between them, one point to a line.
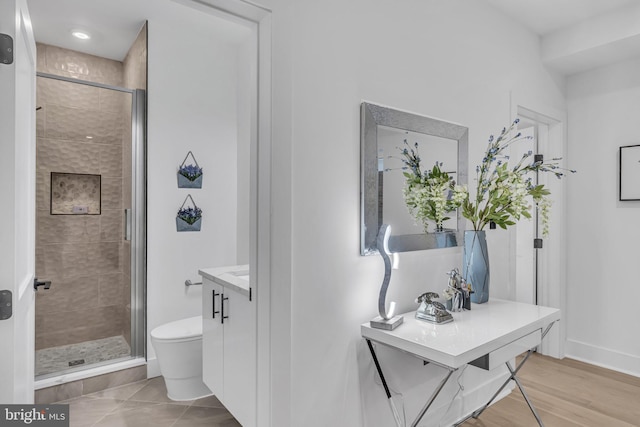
178 347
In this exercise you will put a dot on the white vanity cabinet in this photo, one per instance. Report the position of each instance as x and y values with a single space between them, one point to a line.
229 341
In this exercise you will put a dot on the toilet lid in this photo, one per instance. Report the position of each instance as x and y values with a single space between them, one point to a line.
180 329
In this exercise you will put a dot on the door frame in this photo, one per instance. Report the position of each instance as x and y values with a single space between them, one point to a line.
551 274
240 11
17 220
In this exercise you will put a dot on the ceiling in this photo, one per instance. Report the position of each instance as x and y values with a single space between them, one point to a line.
579 35
114 24
546 16
576 35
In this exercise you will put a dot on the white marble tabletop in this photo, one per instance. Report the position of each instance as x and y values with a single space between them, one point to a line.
472 334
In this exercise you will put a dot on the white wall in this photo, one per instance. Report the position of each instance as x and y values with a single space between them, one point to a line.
603 233
246 115
192 105
456 60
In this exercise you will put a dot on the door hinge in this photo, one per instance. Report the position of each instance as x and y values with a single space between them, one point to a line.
6 49
538 158
537 243
6 303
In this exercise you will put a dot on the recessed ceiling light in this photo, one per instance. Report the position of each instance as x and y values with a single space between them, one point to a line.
80 35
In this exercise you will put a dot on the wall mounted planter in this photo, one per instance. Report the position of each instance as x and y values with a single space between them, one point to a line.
182 225
189 218
189 176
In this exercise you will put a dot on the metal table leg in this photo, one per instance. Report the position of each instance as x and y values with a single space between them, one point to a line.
513 377
394 410
432 398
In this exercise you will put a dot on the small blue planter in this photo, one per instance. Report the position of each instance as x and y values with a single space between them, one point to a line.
183 225
184 182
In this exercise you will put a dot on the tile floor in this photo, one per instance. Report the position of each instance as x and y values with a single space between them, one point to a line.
145 403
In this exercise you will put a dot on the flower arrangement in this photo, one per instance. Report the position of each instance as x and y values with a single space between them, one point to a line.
431 194
190 215
191 172
502 191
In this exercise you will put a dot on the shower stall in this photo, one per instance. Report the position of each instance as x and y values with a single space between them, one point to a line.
90 222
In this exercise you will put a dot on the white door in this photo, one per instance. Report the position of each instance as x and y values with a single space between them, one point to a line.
17 195
526 230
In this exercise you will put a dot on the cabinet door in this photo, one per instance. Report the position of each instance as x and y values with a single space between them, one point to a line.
240 357
212 338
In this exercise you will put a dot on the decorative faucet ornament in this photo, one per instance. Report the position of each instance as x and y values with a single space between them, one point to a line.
386 319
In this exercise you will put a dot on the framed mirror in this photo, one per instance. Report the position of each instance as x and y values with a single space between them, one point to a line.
382 135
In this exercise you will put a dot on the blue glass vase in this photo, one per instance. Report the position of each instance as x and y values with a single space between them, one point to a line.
475 267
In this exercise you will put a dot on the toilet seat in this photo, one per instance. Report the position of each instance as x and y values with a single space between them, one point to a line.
179 330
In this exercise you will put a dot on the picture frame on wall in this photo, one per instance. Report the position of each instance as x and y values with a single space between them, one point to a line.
629 173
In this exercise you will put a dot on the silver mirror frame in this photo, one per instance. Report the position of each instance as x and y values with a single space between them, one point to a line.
372 116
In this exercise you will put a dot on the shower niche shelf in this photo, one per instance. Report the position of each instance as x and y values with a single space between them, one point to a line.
75 194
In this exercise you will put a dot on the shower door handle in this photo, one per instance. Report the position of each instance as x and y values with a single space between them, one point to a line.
127 224
37 283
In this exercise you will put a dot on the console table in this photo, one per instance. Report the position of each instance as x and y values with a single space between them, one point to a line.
486 336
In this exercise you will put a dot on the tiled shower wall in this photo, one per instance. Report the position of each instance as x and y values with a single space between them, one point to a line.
82 255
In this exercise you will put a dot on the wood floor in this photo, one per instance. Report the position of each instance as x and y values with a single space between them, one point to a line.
567 393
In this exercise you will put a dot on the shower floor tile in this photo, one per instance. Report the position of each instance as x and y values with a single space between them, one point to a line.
56 359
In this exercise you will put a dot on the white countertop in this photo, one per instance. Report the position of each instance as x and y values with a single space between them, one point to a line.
472 334
235 277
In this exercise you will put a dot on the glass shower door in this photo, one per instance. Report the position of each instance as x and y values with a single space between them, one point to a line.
86 149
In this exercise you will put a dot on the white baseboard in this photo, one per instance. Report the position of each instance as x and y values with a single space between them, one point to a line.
153 368
603 357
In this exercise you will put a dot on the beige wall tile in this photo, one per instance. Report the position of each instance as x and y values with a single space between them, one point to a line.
64 60
126 257
67 94
67 228
40 121
41 62
111 160
65 156
43 188
72 259
112 193
68 295
110 257
80 65
76 124
70 327
111 289
135 63
41 270
111 225
112 100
